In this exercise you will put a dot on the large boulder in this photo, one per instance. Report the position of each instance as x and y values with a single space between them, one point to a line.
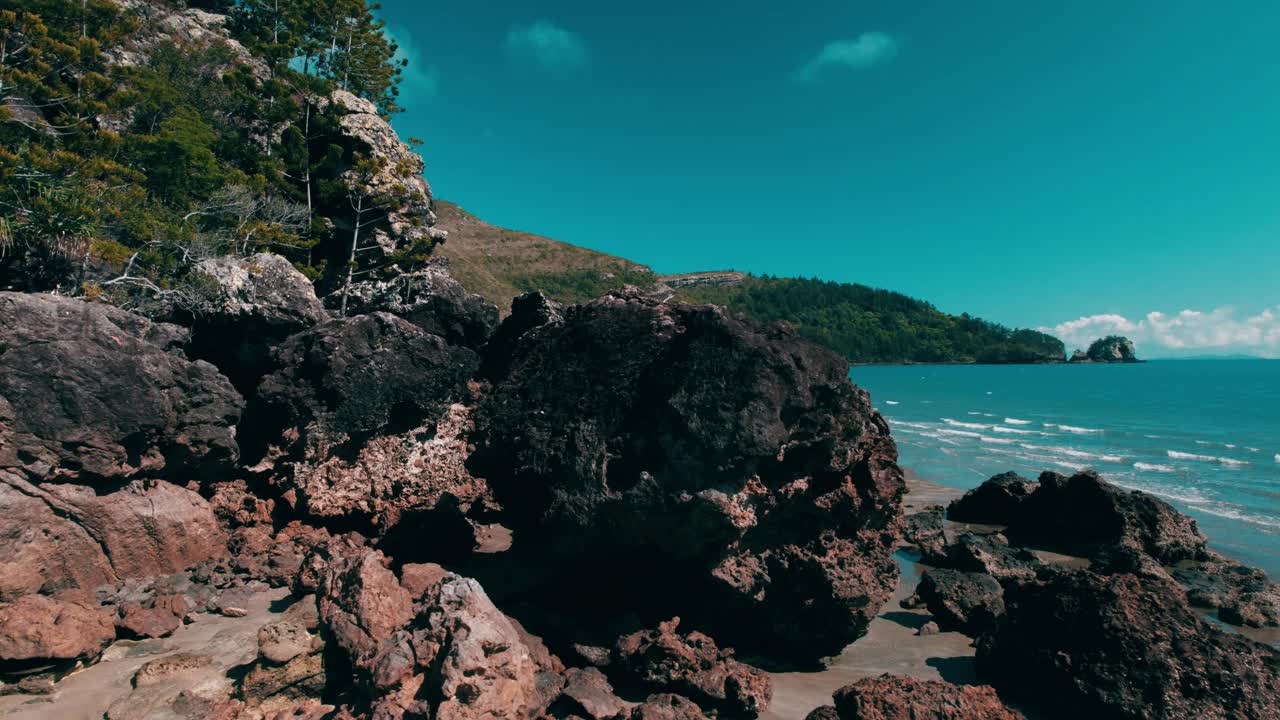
692 665
1242 595
39 632
969 602
722 470
89 392
346 383
891 697
1084 515
431 299
1079 644
252 305
996 501
990 555
65 536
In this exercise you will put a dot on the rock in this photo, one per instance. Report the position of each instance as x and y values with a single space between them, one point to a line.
431 299
591 693
1242 595
68 536
823 712
666 706
969 602
280 642
991 555
236 505
528 312
891 697
157 671
188 27
650 442
929 628
1112 348
39 632
1122 646
361 605
418 578
996 501
158 617
692 665
925 530
399 174
1084 514
270 687
254 304
89 392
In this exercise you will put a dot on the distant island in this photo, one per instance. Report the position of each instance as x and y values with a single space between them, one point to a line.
1110 349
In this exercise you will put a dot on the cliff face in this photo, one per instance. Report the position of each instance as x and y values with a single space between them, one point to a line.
1110 349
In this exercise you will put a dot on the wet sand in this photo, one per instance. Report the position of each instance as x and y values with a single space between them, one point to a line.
891 644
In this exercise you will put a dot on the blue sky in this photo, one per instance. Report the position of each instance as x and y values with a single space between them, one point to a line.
1037 164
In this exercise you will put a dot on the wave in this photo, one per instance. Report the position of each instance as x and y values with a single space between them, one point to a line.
998 441
1232 462
1069 452
1016 421
1203 442
890 402
1073 429
1013 431
905 423
960 433
1154 467
1252 449
973 426
1232 513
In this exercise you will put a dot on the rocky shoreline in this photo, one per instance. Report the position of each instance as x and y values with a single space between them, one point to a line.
623 509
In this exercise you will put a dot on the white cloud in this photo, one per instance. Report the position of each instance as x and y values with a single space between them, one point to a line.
1188 332
418 80
547 44
865 51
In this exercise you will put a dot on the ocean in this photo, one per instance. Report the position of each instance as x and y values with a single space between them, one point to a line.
1202 434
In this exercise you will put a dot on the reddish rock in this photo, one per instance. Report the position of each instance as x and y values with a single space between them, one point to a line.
237 506
418 578
157 617
362 604
997 501
692 665
891 697
666 706
37 631
91 392
588 691
1242 595
1079 644
679 447
68 536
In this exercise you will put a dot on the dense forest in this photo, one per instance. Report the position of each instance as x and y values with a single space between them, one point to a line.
138 138
878 326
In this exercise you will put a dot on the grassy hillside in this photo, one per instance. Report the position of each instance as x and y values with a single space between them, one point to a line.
500 264
878 326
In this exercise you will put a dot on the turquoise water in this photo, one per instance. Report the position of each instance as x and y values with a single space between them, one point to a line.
1202 434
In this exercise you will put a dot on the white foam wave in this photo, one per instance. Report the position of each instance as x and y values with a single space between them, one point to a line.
960 433
1154 467
1230 462
890 402
1252 449
1073 429
1013 431
973 426
1016 421
1203 442
998 441
1070 452
1232 513
906 423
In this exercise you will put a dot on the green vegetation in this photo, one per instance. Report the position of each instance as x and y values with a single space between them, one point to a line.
125 158
878 326
500 264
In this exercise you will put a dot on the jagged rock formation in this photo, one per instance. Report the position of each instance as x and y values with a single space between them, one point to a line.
162 24
969 602
90 393
996 501
1110 349
431 299
890 697
1123 646
736 461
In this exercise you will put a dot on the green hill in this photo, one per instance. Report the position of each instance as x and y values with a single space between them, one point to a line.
869 325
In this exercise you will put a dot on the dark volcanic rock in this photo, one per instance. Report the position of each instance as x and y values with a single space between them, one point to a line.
1079 644
991 555
927 532
969 602
692 665
719 469
891 697
254 304
666 706
1242 595
1084 514
90 392
361 408
996 501
62 536
431 299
